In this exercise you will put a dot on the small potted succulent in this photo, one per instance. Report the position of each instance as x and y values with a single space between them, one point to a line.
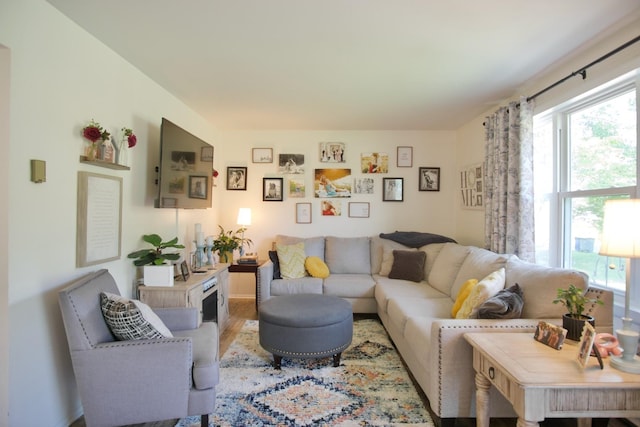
158 269
228 241
574 299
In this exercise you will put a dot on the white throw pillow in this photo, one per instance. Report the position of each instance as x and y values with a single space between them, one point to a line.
485 289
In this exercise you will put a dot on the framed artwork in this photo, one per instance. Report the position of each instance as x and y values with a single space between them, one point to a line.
374 163
183 161
392 190
358 209
198 187
404 157
236 178
303 213
586 344
262 155
272 189
363 186
206 154
291 163
184 271
296 187
472 186
331 207
332 152
177 185
99 224
332 183
428 179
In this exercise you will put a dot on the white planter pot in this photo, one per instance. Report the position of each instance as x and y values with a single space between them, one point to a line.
158 275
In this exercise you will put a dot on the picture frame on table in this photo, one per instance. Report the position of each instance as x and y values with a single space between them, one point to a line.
392 189
404 157
237 178
303 213
262 155
184 271
428 179
272 190
586 345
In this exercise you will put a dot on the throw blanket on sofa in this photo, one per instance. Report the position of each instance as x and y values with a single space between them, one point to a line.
415 239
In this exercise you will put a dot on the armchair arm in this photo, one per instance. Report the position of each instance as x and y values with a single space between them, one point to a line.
265 276
179 318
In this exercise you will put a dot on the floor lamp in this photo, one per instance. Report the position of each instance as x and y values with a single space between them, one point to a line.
244 220
621 238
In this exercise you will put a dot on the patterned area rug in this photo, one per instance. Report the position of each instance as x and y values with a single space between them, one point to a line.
370 387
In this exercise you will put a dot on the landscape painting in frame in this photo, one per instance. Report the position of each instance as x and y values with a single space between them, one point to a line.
332 152
332 183
374 163
291 163
296 187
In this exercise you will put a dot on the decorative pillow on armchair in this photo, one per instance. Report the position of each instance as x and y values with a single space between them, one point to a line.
408 265
131 319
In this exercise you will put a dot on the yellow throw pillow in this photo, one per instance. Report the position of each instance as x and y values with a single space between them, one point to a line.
291 259
464 292
316 267
485 289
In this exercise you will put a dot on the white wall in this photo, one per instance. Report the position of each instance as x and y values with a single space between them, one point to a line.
60 78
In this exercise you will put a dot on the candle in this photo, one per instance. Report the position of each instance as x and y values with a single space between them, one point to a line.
200 238
198 228
209 240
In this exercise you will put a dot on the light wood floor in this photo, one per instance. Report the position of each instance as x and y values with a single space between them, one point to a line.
244 309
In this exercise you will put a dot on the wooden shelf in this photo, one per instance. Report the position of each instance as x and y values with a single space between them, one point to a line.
103 164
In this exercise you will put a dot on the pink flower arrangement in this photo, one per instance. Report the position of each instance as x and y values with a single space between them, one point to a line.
93 132
131 137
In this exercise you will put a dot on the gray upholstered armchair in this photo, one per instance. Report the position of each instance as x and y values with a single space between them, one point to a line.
129 382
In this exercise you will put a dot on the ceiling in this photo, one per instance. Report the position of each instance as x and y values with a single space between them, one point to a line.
345 64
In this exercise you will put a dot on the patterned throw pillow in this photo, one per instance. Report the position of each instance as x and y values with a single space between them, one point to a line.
291 258
316 267
131 319
485 289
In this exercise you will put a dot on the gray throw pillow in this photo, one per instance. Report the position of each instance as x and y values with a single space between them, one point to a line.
408 265
273 256
506 304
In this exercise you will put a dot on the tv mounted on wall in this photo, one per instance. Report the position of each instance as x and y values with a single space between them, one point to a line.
186 164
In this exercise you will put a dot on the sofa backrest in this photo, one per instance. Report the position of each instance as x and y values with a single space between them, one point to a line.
348 255
478 264
313 246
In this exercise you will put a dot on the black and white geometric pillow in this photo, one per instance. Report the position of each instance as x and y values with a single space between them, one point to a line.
131 319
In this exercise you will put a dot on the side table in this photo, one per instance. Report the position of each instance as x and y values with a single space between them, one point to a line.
247 268
542 382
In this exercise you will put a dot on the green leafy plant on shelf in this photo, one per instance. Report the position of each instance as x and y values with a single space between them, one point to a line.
155 255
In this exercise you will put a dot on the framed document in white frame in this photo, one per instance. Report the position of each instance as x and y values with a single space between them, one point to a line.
303 213
358 209
99 224
404 157
262 155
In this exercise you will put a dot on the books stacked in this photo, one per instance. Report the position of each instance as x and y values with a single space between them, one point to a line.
248 259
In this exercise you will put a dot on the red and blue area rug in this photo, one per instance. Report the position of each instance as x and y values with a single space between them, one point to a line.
371 387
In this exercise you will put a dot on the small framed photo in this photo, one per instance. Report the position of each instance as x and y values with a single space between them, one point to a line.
236 178
262 155
358 209
392 189
198 187
272 189
184 271
428 179
405 157
550 334
303 213
586 344
206 154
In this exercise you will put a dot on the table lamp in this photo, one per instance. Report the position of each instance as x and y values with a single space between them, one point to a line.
244 220
621 238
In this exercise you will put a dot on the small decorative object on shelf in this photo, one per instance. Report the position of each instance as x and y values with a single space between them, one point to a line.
95 134
128 140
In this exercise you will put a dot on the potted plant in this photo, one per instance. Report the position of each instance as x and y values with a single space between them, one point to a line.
158 270
228 241
574 299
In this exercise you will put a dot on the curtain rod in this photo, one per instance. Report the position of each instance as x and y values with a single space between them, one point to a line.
583 71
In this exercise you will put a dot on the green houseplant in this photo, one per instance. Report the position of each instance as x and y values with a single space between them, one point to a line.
575 300
228 241
158 270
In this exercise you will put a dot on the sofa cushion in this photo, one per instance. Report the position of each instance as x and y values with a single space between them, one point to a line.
291 259
303 285
485 289
540 286
349 285
404 308
380 247
313 246
391 288
205 372
506 304
478 264
432 252
131 319
464 292
408 265
273 256
316 267
446 267
346 255
387 260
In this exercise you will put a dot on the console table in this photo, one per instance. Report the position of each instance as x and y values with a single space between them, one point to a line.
192 293
542 382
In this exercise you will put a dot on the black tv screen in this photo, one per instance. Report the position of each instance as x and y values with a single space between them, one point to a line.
186 164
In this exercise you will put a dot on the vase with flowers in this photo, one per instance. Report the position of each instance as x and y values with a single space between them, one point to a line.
96 135
128 140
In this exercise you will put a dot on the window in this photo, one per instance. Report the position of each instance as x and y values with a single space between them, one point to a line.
585 153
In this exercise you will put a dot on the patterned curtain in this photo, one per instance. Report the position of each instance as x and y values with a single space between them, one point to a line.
508 180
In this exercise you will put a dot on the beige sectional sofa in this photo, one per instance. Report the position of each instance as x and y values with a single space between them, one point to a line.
417 315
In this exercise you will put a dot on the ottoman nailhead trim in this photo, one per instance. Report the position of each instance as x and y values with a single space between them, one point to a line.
312 353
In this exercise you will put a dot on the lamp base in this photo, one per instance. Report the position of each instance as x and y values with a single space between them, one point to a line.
631 366
629 361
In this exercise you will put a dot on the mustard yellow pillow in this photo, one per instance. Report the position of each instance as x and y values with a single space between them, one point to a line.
316 267
485 289
463 293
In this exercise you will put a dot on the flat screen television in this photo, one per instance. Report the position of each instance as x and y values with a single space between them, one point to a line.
186 165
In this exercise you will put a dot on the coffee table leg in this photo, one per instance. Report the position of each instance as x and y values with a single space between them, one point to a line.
482 400
277 361
336 360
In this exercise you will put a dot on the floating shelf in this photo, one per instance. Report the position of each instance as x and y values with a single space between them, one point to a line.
103 164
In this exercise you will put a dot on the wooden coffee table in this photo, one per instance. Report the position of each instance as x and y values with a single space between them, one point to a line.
542 382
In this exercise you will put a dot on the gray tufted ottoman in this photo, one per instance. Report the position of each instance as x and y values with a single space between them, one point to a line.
305 326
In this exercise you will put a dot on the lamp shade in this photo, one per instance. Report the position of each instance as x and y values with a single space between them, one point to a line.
244 216
621 228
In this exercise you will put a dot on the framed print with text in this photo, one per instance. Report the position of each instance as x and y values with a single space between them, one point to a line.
359 209
303 213
392 190
405 157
